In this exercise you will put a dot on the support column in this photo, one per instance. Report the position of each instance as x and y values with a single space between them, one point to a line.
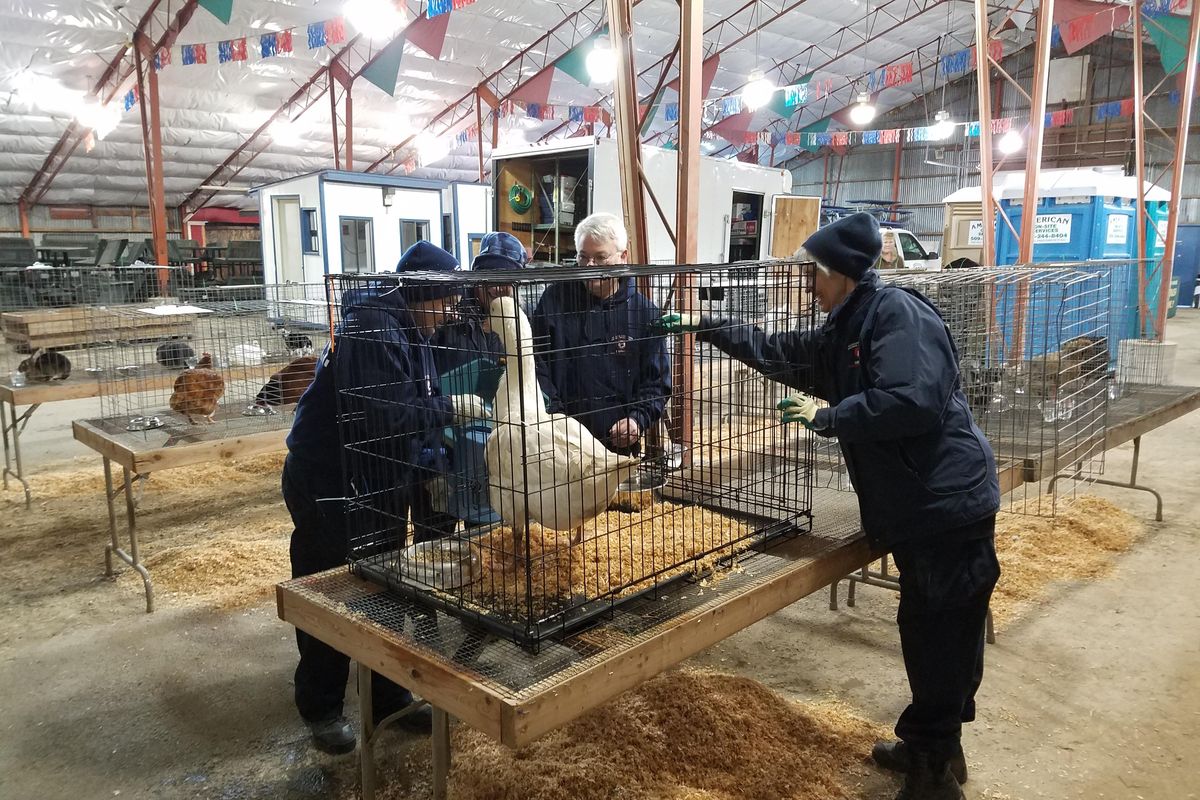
1037 120
152 147
342 120
23 215
479 131
625 102
984 80
1181 137
1139 158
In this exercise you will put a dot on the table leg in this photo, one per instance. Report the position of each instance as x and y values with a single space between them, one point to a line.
13 424
366 745
1129 484
441 752
133 557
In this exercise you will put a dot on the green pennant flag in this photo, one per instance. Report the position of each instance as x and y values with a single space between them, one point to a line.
221 9
779 101
820 126
651 112
1168 34
385 69
574 61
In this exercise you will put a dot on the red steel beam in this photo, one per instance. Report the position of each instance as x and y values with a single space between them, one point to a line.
114 75
1033 144
1181 138
1139 155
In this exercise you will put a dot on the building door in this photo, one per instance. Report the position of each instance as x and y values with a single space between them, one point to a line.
289 264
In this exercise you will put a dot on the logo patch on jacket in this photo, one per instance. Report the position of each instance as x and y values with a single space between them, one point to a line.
855 350
621 341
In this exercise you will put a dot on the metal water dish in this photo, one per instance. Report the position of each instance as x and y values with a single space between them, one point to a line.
442 564
144 424
637 492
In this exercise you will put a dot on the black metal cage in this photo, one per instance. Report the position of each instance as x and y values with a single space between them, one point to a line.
529 449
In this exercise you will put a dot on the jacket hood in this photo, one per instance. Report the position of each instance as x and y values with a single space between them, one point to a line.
384 297
870 283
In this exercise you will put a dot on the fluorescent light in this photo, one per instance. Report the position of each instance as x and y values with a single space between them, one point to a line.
862 112
758 90
1010 143
101 119
943 127
602 62
375 19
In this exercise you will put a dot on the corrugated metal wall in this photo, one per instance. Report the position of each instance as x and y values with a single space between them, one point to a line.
866 172
119 221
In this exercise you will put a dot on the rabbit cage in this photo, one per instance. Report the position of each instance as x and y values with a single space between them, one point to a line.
207 362
568 455
1037 363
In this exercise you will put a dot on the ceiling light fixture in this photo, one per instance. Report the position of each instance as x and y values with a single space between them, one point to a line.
862 112
101 119
602 62
943 127
375 19
758 90
1010 143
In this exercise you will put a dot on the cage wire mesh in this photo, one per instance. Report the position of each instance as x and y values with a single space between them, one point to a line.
207 362
1036 362
544 513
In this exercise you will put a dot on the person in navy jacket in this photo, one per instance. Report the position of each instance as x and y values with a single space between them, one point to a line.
885 363
375 391
600 357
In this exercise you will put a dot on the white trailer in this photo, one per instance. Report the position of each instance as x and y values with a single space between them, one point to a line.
333 221
746 210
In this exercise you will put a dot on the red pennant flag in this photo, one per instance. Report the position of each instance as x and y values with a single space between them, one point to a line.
283 42
792 138
708 72
749 137
239 49
429 34
591 113
889 136
199 54
547 112
536 89
1127 107
335 30
733 128
1081 22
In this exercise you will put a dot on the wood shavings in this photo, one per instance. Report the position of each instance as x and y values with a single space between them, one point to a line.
225 574
1079 543
619 551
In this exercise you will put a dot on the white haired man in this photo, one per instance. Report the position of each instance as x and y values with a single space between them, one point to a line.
600 357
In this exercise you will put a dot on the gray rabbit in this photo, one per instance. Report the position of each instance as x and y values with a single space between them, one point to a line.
45 365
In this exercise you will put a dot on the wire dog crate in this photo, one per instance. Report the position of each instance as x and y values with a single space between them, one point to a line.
1037 364
207 361
543 509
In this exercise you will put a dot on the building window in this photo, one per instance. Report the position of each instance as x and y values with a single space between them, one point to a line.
413 231
357 247
310 239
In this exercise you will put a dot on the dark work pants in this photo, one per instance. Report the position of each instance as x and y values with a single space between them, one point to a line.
319 543
946 582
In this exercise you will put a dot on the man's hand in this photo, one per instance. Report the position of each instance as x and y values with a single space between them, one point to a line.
798 408
469 408
439 493
687 322
625 432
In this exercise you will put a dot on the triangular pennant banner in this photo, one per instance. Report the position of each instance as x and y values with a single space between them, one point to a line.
221 9
385 69
733 129
708 72
429 34
1168 34
536 89
574 61
1081 22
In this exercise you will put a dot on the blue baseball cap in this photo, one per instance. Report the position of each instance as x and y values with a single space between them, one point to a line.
500 250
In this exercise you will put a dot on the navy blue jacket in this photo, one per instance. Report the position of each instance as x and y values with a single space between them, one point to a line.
374 402
885 362
464 341
599 360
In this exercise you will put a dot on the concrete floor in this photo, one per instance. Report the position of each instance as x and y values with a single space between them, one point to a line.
1091 695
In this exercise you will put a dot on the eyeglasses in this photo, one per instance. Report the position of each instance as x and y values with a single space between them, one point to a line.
586 259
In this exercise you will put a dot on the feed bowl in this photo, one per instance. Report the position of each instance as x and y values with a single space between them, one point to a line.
441 564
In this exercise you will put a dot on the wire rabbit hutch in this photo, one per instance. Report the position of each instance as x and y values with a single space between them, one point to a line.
568 455
205 362
1037 364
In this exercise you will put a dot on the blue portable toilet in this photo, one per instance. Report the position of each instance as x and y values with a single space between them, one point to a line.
1187 262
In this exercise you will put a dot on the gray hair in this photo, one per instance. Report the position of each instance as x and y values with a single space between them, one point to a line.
802 255
603 227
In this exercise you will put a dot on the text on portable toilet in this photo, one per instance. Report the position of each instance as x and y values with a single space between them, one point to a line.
1052 229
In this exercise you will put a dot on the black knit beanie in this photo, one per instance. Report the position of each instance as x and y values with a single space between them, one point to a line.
849 246
426 257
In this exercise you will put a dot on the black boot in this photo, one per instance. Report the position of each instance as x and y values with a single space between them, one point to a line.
334 735
895 756
928 781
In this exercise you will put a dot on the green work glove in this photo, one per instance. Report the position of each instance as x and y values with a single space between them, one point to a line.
799 408
687 322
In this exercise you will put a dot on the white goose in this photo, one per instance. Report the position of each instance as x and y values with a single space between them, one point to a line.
547 466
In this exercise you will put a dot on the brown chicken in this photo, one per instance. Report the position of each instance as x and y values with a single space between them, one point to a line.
285 386
198 390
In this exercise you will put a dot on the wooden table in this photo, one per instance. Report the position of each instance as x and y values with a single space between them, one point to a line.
514 696
176 444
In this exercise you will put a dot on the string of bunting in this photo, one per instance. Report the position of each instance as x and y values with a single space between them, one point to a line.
268 45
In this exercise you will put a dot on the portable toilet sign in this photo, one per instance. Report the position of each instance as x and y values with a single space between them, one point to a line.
1052 229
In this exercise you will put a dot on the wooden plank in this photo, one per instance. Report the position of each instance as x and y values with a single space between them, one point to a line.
793 220
828 561
227 449
379 649
50 392
88 435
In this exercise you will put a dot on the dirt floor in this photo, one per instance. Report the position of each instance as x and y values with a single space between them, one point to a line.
1091 690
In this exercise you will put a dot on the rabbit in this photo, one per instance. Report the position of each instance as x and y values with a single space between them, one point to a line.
174 354
45 365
